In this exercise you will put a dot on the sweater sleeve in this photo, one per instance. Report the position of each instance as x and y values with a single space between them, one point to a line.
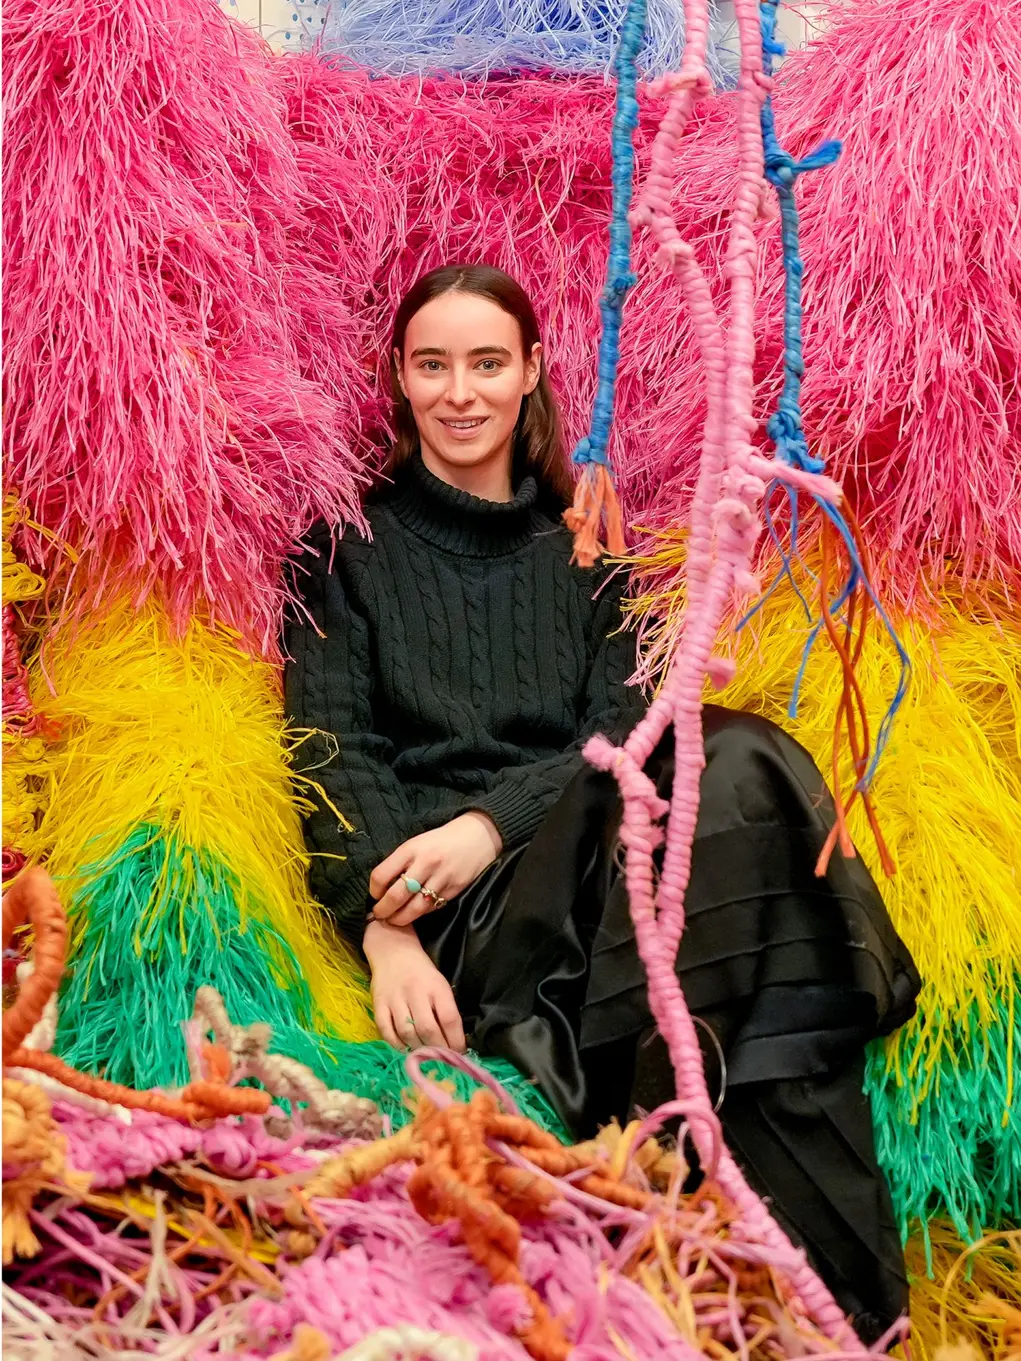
328 684
523 795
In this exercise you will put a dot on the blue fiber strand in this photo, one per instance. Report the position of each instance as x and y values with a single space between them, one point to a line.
857 573
488 37
785 571
785 427
835 606
620 277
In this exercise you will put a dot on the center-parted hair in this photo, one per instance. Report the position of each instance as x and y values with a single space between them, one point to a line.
538 441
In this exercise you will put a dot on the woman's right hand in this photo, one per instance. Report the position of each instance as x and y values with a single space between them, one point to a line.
412 1002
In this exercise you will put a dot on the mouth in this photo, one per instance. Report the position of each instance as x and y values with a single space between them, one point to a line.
465 428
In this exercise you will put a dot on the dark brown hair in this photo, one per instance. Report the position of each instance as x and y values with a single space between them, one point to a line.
538 441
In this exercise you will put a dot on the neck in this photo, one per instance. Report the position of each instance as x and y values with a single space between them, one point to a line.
489 481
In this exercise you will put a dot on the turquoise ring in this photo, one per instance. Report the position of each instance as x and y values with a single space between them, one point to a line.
412 885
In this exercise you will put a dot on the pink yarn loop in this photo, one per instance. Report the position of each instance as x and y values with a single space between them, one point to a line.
721 671
620 762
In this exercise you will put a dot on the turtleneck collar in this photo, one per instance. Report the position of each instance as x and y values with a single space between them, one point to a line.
458 522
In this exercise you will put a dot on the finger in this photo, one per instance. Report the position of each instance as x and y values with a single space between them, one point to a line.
449 1019
421 903
385 1026
406 1025
387 870
426 1024
397 896
417 907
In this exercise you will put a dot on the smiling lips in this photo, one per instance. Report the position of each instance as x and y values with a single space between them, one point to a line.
464 429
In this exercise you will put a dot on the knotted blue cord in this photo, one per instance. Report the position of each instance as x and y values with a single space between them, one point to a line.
785 427
620 278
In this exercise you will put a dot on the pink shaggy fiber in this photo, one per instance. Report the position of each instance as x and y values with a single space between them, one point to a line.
182 392
407 175
206 243
912 250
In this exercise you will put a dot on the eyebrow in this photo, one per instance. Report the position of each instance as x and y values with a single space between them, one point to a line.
477 353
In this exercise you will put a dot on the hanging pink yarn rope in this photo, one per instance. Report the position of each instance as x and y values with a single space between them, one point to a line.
725 524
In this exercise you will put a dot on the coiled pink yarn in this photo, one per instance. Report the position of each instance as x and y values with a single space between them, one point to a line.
400 1270
725 524
114 1151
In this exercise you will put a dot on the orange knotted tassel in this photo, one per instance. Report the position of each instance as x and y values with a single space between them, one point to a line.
595 498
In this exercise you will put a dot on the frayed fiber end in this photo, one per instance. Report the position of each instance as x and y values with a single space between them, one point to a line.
595 505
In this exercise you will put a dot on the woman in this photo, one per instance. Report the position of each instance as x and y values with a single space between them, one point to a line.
453 668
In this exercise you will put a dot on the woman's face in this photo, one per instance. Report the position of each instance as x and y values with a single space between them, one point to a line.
465 375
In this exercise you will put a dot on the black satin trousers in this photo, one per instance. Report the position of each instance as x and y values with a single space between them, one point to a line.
791 973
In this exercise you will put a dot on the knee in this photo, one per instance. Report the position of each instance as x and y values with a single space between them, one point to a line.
755 772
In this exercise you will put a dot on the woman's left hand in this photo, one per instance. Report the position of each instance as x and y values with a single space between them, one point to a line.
445 862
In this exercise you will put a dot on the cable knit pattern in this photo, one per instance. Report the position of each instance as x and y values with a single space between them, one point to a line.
458 661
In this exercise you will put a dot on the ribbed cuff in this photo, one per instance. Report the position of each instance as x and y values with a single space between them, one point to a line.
350 909
516 812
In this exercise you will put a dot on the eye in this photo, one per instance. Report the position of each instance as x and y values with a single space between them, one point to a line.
432 365
490 365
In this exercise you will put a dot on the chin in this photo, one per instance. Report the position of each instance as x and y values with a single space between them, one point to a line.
468 455
460 457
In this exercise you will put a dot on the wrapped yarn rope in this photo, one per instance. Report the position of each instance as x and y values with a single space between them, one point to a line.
29 1027
32 901
471 1225
238 1245
856 596
844 606
595 497
724 526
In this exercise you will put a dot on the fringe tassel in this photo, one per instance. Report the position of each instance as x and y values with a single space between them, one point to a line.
595 501
948 1136
595 495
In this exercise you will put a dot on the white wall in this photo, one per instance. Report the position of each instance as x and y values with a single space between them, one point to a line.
795 27
281 22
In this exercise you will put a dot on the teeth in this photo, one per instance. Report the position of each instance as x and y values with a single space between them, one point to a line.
463 425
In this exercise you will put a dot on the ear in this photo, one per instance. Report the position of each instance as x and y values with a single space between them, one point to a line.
533 368
399 370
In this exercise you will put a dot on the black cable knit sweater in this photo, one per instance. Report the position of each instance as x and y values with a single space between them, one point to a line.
458 660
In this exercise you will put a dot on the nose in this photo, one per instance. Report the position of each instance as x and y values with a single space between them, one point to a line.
460 391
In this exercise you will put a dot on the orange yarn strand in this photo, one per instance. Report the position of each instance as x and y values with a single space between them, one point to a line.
199 1101
851 711
459 1177
32 899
